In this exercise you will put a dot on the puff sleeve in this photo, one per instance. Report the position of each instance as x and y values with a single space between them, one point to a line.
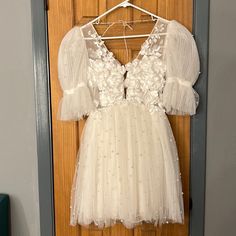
182 61
72 74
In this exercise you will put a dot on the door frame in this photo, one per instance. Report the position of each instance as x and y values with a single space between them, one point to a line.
44 128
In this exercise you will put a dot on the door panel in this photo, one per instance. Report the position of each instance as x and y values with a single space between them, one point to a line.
62 16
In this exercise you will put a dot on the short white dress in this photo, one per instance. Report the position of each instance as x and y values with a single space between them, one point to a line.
127 165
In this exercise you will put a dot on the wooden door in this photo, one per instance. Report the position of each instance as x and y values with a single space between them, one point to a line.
62 16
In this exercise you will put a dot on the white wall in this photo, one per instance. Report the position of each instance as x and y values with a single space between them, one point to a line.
221 139
18 159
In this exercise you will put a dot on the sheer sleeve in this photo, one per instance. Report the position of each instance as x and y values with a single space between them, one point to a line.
182 60
72 74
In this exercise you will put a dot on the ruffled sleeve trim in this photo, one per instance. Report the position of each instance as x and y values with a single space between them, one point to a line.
179 97
76 104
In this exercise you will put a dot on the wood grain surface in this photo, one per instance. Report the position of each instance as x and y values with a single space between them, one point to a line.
62 16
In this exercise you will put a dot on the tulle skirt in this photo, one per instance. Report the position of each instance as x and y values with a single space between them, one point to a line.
127 169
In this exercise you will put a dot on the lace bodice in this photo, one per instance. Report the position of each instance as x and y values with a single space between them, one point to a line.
145 76
161 76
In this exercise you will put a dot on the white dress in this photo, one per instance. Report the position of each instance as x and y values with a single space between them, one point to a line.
127 165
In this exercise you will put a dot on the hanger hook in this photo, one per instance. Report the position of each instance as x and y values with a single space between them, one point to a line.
125 3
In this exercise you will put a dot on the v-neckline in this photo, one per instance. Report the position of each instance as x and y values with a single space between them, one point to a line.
139 52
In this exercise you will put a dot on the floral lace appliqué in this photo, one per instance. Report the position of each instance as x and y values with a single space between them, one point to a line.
145 77
145 81
105 74
101 52
152 46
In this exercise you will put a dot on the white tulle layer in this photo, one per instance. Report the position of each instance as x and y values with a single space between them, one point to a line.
180 99
74 106
127 169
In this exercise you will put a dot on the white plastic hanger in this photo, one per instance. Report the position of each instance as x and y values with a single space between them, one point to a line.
125 3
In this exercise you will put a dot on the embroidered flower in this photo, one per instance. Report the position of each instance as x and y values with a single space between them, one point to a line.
145 81
145 78
150 46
